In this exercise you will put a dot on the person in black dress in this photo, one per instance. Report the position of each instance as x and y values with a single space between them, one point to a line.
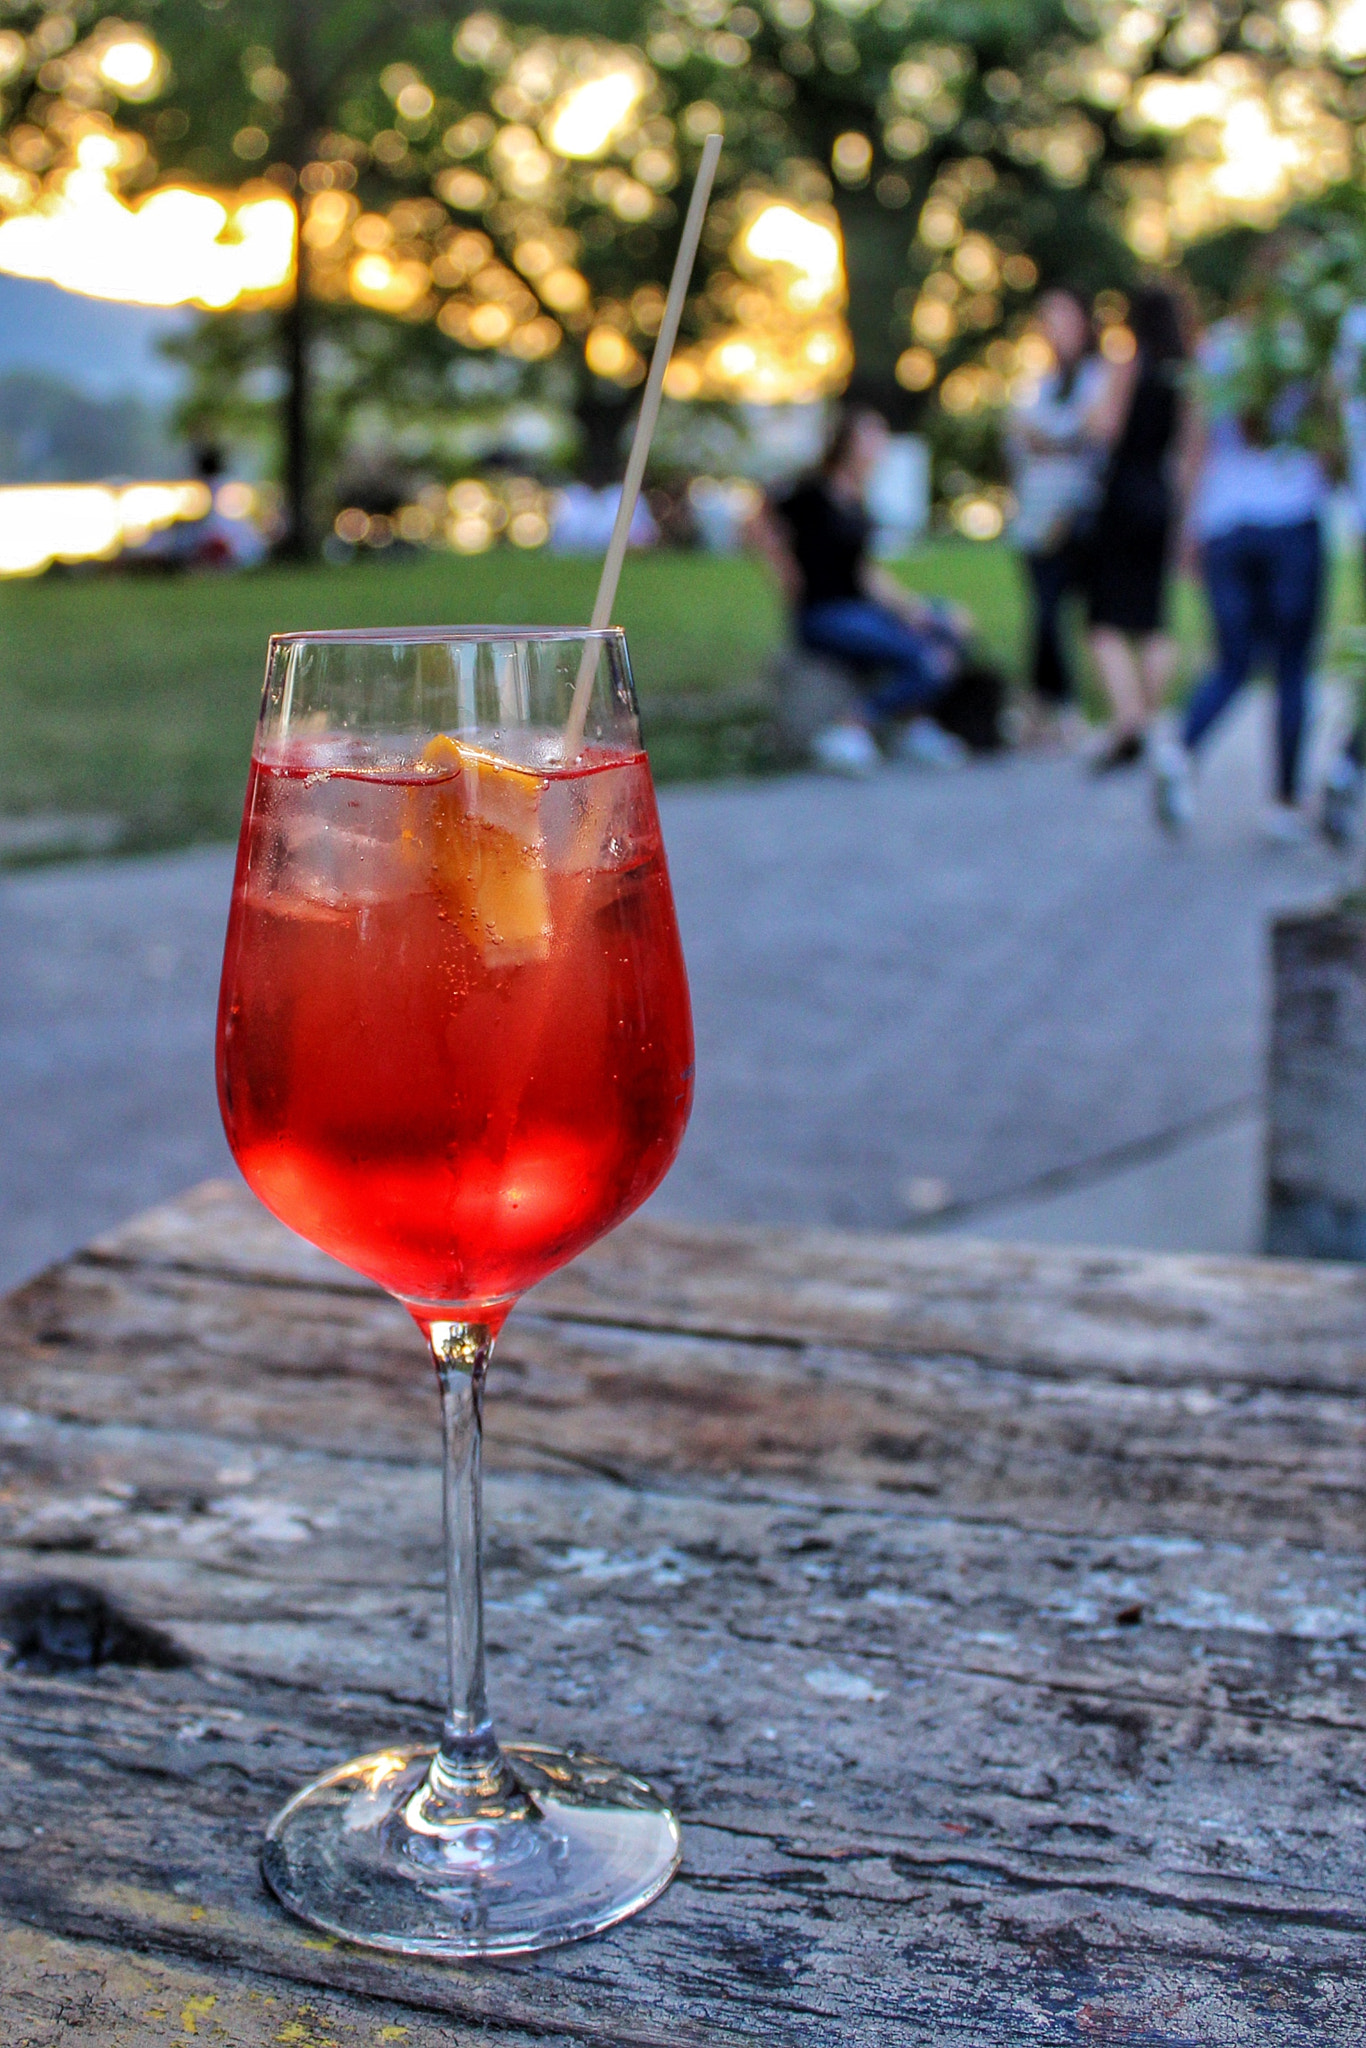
1145 420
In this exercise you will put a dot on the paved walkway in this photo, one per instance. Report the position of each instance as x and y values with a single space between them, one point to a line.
995 1002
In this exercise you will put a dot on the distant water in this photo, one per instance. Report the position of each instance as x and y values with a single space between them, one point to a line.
100 348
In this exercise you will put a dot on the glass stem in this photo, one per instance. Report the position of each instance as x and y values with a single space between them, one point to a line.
461 1354
469 1778
462 1357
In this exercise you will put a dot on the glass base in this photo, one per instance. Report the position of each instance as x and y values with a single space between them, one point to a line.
582 1845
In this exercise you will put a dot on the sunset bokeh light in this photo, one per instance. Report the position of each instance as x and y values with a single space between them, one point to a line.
45 523
778 333
584 121
177 247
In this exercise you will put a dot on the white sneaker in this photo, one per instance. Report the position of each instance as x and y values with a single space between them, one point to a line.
923 744
846 749
1173 783
1283 825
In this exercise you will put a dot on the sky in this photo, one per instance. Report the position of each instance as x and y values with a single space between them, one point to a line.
101 348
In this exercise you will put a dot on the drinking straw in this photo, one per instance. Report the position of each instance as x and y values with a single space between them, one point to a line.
640 445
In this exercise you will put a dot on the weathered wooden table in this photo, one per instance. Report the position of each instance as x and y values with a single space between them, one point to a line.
994 1616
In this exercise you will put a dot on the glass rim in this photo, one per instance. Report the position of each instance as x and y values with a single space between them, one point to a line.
427 636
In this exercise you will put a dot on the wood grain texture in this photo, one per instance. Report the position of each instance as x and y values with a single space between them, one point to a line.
995 1617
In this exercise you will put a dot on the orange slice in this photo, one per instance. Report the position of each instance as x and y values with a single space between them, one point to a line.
488 855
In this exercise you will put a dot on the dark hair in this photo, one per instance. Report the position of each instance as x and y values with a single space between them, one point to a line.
1155 323
847 423
1068 372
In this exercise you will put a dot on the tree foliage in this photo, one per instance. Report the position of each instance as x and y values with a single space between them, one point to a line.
969 148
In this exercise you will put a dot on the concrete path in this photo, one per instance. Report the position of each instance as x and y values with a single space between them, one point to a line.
108 985
995 1002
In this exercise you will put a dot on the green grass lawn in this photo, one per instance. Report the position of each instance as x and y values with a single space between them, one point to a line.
135 696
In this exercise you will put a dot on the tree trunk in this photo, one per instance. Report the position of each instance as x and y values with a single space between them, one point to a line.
875 242
602 410
295 142
298 542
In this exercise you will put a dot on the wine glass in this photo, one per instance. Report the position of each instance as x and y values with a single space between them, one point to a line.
455 1048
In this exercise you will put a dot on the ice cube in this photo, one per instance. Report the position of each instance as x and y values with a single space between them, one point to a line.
336 841
580 821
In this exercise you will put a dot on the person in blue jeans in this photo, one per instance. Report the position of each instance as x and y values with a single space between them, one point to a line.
846 605
1265 586
1255 521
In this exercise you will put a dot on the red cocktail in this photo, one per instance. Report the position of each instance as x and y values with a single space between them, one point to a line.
454 1049
455 1045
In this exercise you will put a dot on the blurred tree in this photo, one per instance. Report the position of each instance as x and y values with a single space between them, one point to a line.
509 185
976 147
502 180
207 90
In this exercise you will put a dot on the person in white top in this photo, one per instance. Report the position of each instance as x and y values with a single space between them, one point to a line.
1056 466
1255 524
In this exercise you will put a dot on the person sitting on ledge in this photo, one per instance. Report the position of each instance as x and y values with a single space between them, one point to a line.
907 655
